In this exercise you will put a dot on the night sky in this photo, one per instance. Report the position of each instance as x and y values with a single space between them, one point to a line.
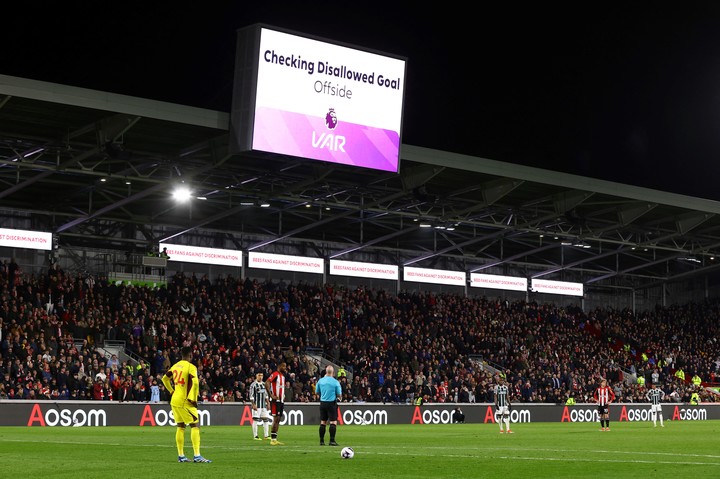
627 93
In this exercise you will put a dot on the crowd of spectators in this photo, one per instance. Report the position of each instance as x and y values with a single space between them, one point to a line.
396 347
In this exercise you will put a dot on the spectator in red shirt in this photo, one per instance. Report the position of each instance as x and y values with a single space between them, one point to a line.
98 391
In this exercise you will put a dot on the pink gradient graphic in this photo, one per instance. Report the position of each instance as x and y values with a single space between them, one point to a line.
304 136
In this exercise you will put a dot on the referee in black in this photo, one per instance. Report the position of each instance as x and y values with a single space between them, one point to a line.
329 390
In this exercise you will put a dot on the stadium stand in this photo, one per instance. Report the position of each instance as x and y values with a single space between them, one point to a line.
398 346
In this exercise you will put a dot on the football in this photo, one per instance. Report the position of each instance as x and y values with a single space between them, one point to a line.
347 453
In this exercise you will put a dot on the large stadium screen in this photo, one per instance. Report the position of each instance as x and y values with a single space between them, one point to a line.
309 98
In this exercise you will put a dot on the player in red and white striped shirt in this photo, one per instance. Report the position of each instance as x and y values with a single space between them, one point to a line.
604 395
275 385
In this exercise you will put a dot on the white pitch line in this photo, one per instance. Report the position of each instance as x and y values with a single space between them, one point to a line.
606 451
402 451
619 461
558 459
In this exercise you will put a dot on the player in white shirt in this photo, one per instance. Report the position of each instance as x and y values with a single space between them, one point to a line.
502 405
655 395
259 400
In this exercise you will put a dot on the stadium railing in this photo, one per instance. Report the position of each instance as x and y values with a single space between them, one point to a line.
322 359
111 347
484 365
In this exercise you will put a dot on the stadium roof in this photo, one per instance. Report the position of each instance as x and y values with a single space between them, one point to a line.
98 169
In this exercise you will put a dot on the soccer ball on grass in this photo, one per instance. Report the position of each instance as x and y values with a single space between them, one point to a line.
347 453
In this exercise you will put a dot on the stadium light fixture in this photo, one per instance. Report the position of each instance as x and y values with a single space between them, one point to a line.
182 194
578 243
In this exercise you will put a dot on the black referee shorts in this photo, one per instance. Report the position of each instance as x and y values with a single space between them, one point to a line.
328 411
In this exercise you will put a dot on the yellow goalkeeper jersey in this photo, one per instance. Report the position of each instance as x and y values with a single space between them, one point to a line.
184 383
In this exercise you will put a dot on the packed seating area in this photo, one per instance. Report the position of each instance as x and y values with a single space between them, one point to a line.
397 347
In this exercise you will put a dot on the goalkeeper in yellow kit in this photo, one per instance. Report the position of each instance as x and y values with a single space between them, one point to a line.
182 381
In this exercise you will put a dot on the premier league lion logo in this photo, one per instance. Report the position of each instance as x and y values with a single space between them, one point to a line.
331 119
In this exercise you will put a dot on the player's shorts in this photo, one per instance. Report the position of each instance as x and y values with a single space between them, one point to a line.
261 414
603 410
503 410
277 408
655 408
328 411
185 414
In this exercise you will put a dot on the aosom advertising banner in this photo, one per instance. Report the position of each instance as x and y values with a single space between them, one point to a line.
102 414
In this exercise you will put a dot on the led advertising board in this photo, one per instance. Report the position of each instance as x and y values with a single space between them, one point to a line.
197 254
434 276
492 281
364 270
557 287
283 262
25 239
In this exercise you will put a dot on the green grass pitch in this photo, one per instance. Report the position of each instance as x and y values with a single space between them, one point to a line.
540 450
